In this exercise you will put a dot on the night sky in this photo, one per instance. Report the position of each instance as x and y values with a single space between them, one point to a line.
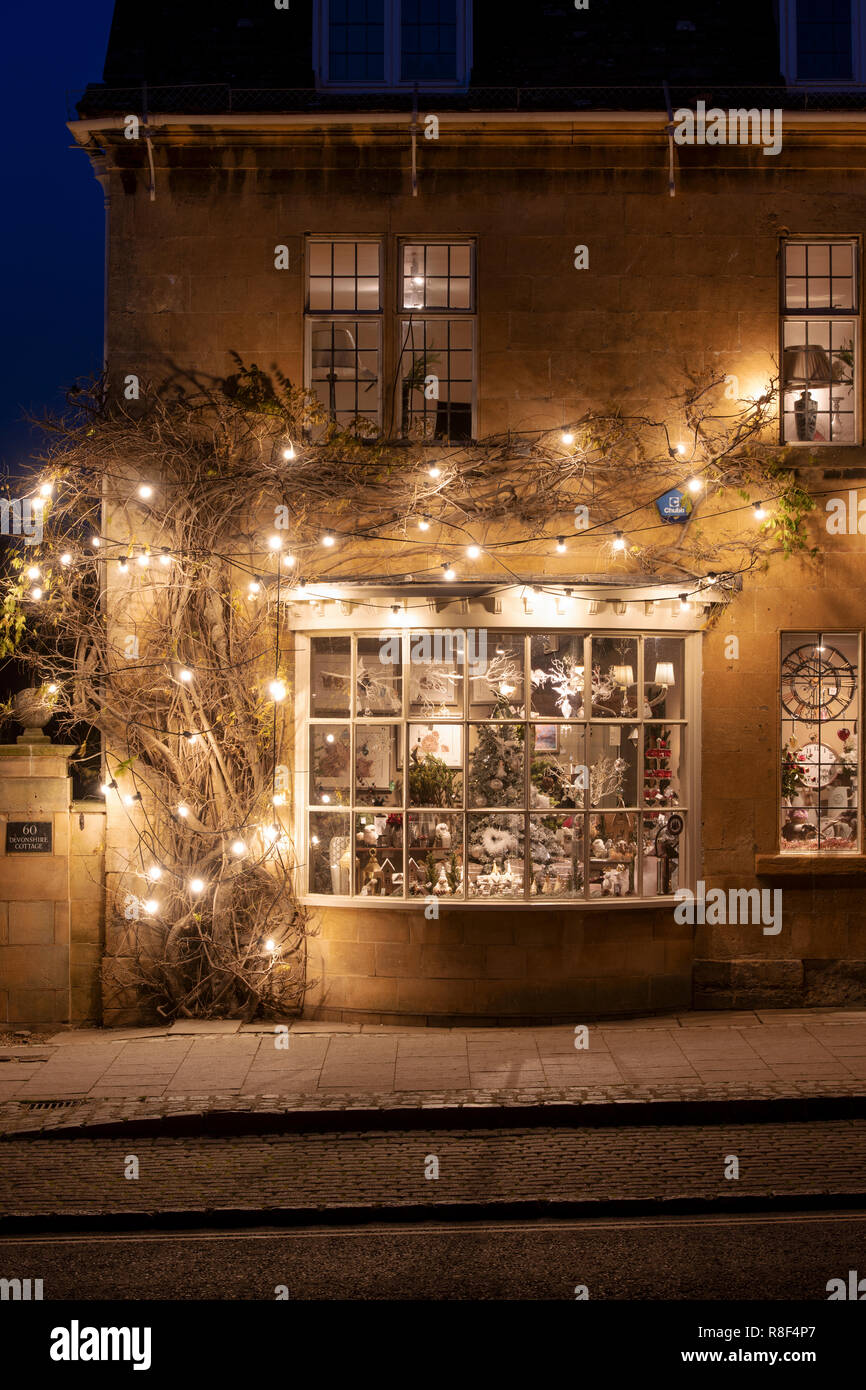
53 224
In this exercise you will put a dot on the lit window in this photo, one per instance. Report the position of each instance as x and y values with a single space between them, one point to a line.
480 764
820 333
344 349
369 44
438 353
820 731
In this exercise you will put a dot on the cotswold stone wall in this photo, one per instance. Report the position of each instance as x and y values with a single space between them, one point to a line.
671 284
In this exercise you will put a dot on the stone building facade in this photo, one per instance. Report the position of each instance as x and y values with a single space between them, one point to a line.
696 257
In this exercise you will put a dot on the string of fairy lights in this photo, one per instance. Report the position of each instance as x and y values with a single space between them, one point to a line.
289 585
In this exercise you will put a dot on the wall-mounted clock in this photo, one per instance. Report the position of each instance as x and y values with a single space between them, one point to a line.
817 683
818 764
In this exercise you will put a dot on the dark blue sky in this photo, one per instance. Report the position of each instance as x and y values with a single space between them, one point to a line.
53 222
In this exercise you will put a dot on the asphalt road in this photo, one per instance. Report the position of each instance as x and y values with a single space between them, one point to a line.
766 1257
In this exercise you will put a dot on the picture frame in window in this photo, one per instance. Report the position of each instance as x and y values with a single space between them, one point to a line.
443 741
546 738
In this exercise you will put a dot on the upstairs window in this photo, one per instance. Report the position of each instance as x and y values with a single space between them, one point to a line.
820 336
822 42
365 45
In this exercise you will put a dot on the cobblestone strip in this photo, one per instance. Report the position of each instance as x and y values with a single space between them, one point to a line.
19 1118
378 1169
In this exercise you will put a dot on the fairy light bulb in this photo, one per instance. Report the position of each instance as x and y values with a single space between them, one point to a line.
288 561
196 885
567 437
151 906
52 689
254 588
270 944
277 690
695 485
123 567
618 540
434 471
278 799
183 811
145 492
239 848
270 834
560 545
185 675
759 512
329 738
144 559
473 551
46 489
685 606
190 737
314 839
153 873
66 558
449 573
37 503
289 453
95 542
36 594
423 524
275 542
329 538
33 572
108 786
165 559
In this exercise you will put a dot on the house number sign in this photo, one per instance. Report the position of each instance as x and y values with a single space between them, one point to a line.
28 837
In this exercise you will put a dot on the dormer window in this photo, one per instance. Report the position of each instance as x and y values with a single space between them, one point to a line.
371 45
822 43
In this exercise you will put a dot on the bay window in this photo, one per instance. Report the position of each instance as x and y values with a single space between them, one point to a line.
478 764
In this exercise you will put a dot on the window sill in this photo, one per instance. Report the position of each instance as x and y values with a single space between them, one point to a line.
486 904
809 865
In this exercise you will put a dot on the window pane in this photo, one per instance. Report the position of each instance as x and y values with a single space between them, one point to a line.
557 665
495 855
330 764
819 365
664 687
378 677
436 765
428 40
436 671
435 854
344 370
437 275
662 850
330 853
378 856
558 769
663 765
343 275
612 855
614 677
556 848
820 763
356 40
495 674
495 775
613 754
330 676
437 381
378 780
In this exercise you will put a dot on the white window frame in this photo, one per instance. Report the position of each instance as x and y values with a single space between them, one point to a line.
822 316
690 782
392 80
788 50
315 317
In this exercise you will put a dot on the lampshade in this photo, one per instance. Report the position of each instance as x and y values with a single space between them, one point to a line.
805 363
623 675
665 673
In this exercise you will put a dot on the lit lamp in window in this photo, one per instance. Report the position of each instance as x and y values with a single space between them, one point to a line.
623 677
334 350
413 287
805 365
663 679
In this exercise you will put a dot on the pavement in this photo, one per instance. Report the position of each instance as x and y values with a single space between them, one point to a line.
85 1077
